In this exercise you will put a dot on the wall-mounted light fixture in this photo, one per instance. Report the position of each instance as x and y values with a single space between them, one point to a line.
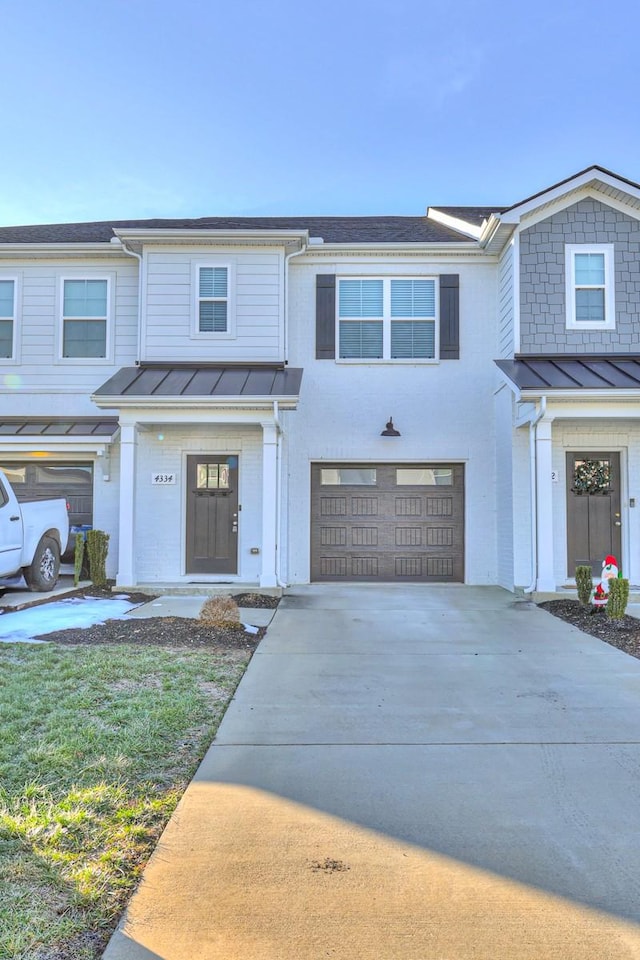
390 430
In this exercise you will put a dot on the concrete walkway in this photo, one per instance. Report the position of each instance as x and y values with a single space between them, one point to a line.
408 773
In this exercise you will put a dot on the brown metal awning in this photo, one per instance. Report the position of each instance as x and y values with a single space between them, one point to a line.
571 372
202 382
81 427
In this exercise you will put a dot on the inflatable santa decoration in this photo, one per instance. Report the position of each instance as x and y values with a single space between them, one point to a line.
609 572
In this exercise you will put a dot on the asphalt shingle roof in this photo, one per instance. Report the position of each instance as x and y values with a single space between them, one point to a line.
331 229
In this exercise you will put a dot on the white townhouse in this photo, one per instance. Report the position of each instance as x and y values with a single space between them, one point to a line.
443 398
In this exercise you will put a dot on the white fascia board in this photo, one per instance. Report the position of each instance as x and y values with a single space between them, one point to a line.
454 223
557 193
464 246
40 250
587 396
193 415
205 405
184 236
55 444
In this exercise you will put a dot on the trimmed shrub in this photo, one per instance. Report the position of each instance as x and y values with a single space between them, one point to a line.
97 548
584 584
618 598
220 612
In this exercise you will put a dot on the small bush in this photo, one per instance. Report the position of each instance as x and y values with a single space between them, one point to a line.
97 548
220 612
584 584
618 598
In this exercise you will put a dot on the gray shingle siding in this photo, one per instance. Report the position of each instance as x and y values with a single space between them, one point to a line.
542 280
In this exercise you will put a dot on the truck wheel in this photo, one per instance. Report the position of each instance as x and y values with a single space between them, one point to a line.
42 575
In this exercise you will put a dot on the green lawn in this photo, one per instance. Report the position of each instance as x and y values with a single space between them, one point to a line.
97 745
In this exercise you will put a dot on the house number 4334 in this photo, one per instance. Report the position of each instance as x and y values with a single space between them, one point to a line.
162 479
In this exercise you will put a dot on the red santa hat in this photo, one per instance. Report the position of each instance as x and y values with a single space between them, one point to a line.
610 562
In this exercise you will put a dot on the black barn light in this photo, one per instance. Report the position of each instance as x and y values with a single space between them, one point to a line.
390 430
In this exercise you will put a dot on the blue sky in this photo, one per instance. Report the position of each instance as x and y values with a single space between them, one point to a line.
141 108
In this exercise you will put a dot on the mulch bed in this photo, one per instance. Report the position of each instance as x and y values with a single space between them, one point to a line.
623 634
161 631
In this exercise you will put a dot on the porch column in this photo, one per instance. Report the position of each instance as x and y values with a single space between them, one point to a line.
270 495
126 557
546 581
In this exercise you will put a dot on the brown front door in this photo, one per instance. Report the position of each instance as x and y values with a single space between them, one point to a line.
593 510
212 514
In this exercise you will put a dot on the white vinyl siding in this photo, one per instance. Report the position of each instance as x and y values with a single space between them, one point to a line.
7 317
85 312
387 318
171 310
590 286
506 303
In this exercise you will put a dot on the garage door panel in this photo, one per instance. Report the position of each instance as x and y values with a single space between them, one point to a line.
409 532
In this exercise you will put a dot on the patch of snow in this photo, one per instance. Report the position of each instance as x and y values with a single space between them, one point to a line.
73 613
249 629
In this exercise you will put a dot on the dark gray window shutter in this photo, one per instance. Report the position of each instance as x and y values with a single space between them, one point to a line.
325 316
449 316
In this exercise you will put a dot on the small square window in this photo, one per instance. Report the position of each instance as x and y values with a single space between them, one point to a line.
213 287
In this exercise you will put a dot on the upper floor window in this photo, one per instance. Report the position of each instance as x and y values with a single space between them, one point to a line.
213 312
7 317
590 286
85 311
387 318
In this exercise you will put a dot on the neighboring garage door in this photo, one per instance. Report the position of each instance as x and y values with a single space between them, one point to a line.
42 480
387 522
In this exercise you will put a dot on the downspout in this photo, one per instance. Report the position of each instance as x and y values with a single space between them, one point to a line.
288 257
533 483
279 431
131 253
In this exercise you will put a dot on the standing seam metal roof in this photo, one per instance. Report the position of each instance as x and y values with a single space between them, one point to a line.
570 372
217 382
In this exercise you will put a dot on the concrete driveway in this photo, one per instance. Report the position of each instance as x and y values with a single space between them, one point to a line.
408 773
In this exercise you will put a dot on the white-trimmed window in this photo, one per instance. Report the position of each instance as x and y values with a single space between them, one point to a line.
590 277
85 317
7 316
213 313
387 318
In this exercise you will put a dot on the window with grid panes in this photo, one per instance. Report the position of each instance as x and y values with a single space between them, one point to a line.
387 318
590 286
7 316
84 317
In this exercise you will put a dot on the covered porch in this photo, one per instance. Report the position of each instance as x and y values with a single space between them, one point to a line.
576 449
200 473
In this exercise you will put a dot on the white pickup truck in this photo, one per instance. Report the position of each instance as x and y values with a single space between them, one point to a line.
33 536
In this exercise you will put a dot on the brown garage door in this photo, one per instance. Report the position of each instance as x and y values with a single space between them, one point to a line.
387 522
